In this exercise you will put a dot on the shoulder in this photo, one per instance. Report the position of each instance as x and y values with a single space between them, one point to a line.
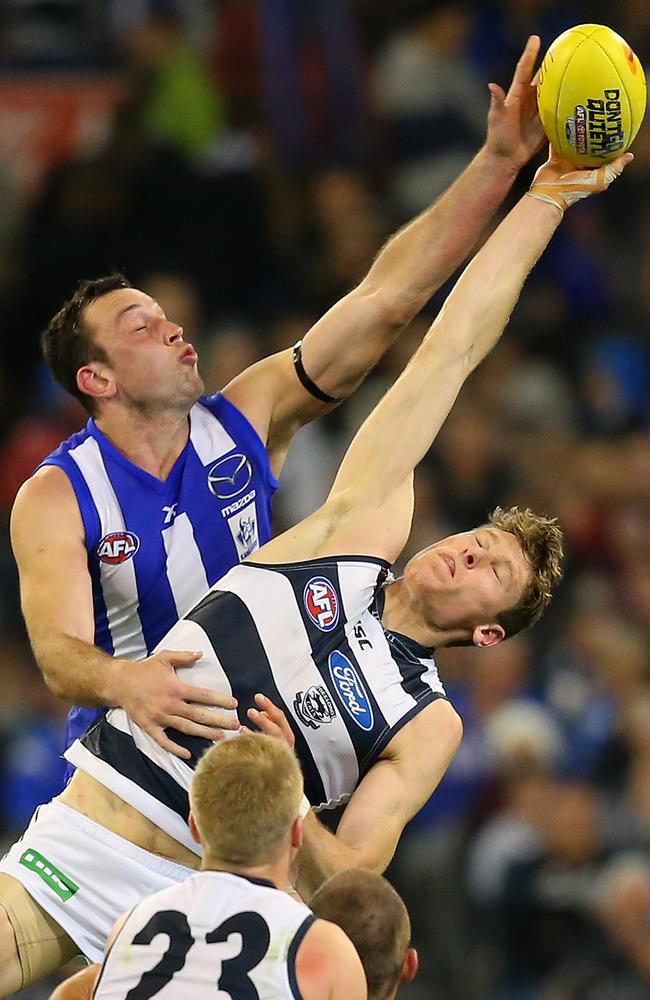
325 952
48 491
436 723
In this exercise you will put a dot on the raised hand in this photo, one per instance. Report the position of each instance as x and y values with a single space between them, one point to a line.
514 131
559 183
156 699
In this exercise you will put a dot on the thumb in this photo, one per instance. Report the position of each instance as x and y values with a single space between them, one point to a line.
619 164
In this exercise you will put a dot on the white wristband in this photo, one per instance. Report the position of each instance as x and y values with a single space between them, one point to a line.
304 807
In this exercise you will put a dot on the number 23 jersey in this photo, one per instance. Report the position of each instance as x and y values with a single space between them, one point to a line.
215 934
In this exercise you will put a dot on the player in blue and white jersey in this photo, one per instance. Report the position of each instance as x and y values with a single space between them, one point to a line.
341 653
127 524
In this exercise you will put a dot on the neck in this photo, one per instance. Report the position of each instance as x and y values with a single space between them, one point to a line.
399 615
276 872
153 442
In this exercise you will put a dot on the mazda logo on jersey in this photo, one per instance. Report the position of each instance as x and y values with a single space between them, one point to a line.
321 603
230 476
351 690
117 547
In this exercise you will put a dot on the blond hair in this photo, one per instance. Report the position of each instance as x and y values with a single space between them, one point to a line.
541 541
244 797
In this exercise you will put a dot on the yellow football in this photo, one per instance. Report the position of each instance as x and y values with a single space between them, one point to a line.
591 94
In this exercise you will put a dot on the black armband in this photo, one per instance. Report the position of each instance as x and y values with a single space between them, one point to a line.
305 379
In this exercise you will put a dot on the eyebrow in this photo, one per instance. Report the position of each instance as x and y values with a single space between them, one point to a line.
505 561
126 309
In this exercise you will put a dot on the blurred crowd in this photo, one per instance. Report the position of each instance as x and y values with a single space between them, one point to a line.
256 155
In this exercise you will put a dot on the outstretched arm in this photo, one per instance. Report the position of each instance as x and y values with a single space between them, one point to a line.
349 340
370 504
401 429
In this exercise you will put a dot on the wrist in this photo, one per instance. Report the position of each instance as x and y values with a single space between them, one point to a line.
500 164
542 194
116 683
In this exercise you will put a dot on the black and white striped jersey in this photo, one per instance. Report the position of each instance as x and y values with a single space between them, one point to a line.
214 935
308 636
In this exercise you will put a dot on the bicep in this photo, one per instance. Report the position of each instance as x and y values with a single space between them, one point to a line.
48 544
394 790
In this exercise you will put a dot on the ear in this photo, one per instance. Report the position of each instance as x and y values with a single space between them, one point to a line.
194 830
296 833
410 966
488 635
97 381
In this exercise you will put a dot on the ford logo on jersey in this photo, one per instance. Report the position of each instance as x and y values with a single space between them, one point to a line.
321 603
351 690
117 547
230 476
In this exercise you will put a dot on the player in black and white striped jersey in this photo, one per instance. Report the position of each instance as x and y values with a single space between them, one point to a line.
342 651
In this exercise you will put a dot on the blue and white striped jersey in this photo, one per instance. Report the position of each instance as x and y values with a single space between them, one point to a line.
216 934
155 548
307 635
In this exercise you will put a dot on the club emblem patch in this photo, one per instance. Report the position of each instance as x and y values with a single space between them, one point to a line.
314 707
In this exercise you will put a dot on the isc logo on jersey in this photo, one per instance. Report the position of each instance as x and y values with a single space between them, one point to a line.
117 547
321 603
351 690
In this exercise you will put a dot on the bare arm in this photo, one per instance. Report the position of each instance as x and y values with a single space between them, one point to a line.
56 598
348 341
401 429
328 966
387 798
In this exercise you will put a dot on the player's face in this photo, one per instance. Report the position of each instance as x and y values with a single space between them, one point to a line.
467 580
149 360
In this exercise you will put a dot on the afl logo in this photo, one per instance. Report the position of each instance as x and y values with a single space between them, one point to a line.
230 476
351 690
321 603
117 547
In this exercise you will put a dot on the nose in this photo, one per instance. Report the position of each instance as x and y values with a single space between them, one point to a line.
470 558
173 333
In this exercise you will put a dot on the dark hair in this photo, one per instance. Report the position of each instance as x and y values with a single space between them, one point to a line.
375 919
67 343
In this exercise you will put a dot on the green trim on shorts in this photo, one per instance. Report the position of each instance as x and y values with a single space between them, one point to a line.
61 884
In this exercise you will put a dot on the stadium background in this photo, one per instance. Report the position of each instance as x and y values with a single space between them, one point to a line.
243 161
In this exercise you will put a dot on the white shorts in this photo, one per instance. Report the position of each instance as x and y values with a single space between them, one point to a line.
83 875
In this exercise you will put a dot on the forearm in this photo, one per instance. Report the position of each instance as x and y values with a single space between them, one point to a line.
351 338
77 671
401 429
421 256
320 856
